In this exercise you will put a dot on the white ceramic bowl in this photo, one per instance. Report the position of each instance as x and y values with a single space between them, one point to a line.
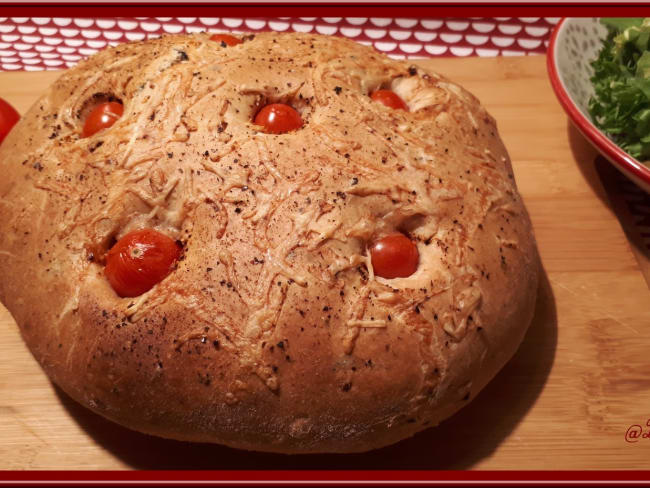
574 44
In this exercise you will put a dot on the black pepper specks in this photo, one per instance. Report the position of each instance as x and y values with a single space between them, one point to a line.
338 90
95 146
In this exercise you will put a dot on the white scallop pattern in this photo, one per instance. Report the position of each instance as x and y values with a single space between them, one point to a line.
105 24
350 32
204 20
388 47
509 29
39 43
400 35
451 38
435 50
300 27
83 22
503 41
410 48
536 31
483 26
375 33
62 22
487 53
457 25
381 22
406 23
279 26
424 36
529 43
477 40
173 29
127 25
73 42
356 20
326 29
461 51
112 35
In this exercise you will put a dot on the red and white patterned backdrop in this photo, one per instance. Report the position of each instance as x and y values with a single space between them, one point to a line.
34 44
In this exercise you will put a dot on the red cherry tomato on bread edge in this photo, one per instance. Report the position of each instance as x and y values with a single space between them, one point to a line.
394 256
390 99
139 260
103 116
277 118
225 39
8 118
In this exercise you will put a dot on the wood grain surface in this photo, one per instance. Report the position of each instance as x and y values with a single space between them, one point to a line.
566 400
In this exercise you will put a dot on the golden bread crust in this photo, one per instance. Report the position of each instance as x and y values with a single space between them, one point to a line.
272 333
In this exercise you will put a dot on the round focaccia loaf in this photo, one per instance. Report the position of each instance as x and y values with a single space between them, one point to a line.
272 332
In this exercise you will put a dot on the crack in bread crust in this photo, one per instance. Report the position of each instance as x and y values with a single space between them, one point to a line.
272 332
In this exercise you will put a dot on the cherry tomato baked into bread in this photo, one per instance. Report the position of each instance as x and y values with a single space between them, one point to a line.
286 242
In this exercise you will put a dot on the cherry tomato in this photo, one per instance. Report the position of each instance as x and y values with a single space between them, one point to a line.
8 118
139 260
225 39
277 118
394 256
103 116
390 99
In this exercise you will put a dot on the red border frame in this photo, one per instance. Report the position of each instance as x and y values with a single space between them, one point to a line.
388 9
623 161
333 477
324 478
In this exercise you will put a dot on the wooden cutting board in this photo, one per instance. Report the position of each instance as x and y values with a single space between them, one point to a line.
566 400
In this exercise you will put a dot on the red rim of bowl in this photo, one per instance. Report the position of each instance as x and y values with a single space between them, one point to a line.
615 154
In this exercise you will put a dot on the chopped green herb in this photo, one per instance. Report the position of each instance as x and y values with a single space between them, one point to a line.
621 80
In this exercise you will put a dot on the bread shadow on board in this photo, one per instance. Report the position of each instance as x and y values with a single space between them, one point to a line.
458 443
